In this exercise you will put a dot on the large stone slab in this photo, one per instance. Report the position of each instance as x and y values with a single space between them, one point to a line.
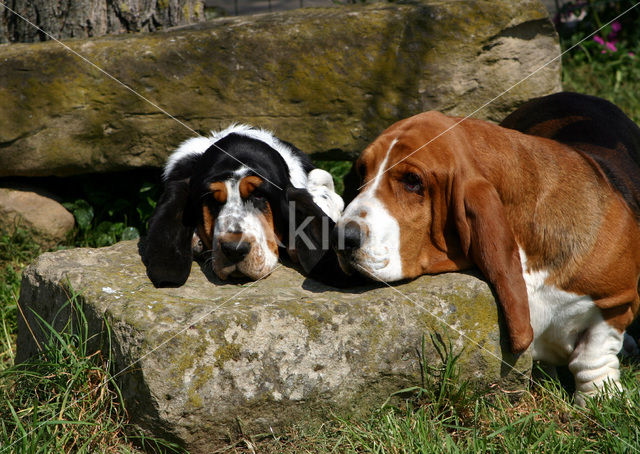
203 360
328 80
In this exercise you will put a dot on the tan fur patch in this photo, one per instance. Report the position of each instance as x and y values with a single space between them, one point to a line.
248 185
219 191
269 229
205 231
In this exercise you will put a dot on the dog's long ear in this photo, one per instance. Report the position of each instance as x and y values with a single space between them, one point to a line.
310 230
167 251
488 240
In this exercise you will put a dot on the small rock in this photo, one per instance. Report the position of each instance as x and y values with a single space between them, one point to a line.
49 222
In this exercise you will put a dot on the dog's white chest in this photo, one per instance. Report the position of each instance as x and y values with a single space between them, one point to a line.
558 318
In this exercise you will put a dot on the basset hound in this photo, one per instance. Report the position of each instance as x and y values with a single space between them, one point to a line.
245 194
551 224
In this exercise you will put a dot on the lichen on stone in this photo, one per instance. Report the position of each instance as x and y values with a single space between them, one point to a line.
227 352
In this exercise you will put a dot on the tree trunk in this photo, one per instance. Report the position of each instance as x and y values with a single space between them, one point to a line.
83 19
4 35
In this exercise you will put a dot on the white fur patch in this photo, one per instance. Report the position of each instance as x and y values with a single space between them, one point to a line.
191 147
379 254
320 186
569 329
376 181
199 145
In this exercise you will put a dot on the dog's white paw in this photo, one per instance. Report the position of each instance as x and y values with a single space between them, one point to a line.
320 186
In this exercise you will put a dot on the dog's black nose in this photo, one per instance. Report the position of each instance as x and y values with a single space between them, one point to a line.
347 238
235 251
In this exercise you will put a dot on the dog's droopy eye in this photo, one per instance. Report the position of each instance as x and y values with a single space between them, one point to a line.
412 182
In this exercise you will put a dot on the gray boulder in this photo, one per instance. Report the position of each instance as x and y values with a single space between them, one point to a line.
47 220
202 361
326 79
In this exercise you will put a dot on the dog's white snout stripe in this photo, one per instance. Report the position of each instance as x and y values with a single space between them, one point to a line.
379 254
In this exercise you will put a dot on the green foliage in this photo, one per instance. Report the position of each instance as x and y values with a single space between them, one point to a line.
338 170
607 64
105 216
17 247
64 399
617 22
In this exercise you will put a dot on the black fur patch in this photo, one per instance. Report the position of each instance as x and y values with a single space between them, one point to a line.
593 126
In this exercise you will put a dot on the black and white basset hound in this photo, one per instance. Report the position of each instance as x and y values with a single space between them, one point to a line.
246 194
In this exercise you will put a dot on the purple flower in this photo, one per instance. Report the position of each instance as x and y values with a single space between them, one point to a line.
616 27
598 39
631 54
612 47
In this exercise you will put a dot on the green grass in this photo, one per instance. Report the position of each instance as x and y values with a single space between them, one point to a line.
63 400
444 415
620 85
54 402
17 249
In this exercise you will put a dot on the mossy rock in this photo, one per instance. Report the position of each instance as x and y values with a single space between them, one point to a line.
199 360
328 80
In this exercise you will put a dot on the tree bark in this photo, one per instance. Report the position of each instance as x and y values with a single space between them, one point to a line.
84 19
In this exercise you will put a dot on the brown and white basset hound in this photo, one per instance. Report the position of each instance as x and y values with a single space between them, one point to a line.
550 223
